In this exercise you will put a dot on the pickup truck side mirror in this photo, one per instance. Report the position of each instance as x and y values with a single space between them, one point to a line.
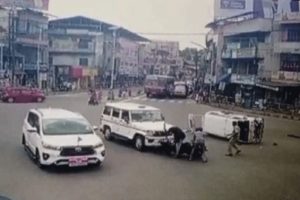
95 128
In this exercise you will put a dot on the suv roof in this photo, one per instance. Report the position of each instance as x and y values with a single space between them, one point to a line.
131 106
54 113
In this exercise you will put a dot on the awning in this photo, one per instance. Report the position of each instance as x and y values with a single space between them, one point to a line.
275 86
225 78
76 72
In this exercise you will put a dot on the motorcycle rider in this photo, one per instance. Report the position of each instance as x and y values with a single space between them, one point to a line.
198 138
197 135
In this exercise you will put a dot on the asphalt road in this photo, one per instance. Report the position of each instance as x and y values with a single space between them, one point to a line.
260 172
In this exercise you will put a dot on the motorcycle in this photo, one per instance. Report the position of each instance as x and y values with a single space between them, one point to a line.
93 100
192 145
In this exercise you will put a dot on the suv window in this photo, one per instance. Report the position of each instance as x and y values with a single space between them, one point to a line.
125 115
26 92
33 120
116 113
107 111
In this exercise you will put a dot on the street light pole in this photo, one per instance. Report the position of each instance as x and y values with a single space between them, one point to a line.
38 58
114 60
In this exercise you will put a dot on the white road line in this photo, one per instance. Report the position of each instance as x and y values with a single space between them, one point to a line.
180 102
172 101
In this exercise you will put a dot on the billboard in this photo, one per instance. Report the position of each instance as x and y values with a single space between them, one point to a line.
287 10
35 4
229 8
233 4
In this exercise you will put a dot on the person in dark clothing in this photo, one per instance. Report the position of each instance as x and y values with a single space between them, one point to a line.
178 139
256 131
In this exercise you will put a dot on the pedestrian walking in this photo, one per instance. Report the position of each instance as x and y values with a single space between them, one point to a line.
234 139
129 92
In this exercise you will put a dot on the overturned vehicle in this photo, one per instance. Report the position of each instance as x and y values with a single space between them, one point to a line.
219 123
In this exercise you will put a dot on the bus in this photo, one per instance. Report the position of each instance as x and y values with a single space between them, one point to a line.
159 85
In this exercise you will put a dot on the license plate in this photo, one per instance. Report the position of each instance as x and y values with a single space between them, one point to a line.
78 161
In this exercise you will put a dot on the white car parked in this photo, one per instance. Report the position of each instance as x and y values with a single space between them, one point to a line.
60 137
144 125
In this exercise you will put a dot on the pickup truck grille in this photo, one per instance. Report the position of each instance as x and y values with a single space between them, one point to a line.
77 151
161 133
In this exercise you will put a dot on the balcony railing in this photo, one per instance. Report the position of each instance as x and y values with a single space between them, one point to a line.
28 66
286 76
32 41
243 79
287 47
72 49
239 53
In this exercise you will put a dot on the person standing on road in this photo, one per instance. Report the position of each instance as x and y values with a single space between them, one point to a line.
234 139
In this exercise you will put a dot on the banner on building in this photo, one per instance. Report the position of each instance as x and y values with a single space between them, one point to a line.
287 10
230 8
35 4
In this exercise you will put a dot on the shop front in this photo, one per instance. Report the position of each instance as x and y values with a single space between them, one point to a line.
88 78
76 74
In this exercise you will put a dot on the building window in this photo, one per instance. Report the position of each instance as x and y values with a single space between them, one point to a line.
50 60
83 44
50 43
83 61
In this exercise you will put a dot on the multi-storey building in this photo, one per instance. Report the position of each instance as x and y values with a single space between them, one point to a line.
81 51
250 53
76 51
161 57
25 39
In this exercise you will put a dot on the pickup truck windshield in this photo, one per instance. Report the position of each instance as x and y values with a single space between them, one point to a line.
146 116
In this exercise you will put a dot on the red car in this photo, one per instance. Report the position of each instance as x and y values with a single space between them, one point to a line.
22 95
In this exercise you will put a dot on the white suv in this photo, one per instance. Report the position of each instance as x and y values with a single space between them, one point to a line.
60 137
144 125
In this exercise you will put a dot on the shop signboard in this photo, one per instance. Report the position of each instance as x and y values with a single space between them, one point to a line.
287 10
35 4
286 76
230 8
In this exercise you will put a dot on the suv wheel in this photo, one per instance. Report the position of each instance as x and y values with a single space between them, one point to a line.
10 100
139 143
38 159
107 133
24 141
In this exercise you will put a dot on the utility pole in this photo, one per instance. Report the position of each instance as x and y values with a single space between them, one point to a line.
39 58
196 59
113 60
12 41
114 30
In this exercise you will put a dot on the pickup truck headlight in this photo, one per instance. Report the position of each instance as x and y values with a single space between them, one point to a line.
150 133
51 147
98 145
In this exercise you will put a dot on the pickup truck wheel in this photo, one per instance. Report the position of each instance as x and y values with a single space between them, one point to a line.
107 133
139 143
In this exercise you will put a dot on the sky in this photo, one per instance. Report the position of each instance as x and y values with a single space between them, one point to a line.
145 16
